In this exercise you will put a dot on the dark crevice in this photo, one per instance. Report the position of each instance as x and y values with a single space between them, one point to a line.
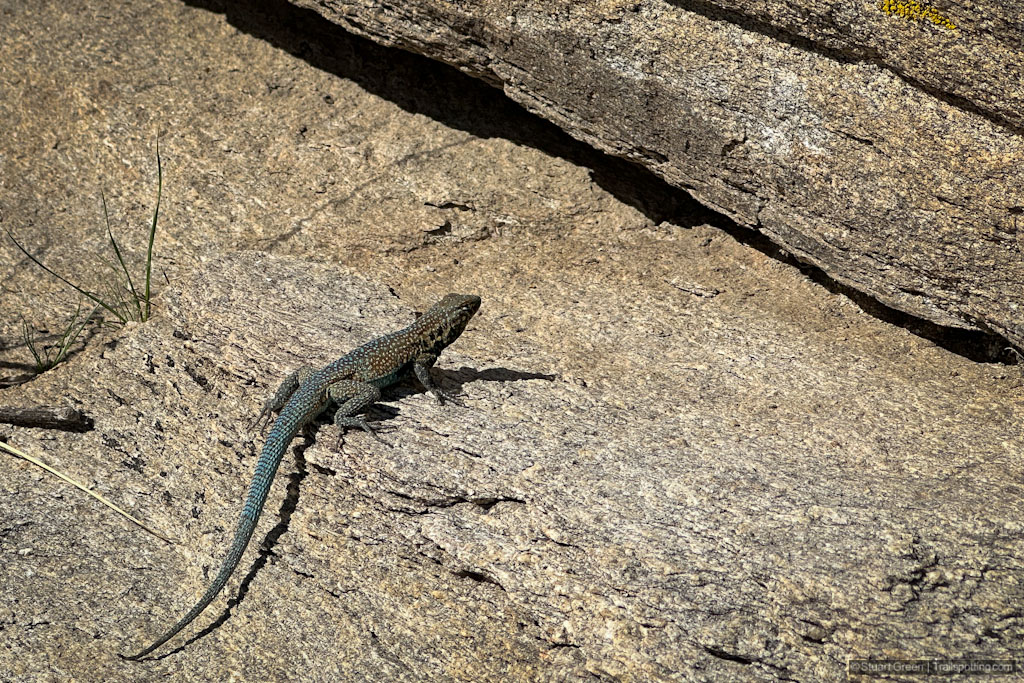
443 229
975 345
451 205
815 633
855 138
486 504
728 147
116 399
506 375
562 544
429 88
326 471
445 502
781 671
476 576
471 454
427 504
728 656
199 379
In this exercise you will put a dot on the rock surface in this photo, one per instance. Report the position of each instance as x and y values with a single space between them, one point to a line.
682 457
881 141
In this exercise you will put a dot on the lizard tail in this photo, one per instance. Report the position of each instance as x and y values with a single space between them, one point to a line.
287 426
242 536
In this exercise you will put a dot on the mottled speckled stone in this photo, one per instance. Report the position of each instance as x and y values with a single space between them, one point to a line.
872 141
681 458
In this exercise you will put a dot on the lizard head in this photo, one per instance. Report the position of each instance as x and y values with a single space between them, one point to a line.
448 318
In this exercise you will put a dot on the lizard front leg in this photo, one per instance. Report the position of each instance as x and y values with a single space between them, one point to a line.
284 392
351 397
421 367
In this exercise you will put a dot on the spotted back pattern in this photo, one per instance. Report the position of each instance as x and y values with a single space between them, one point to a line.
361 373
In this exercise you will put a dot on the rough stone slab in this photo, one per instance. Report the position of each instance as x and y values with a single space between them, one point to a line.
736 473
886 150
558 527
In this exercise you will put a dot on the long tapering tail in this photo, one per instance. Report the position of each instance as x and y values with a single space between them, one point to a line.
285 428
242 536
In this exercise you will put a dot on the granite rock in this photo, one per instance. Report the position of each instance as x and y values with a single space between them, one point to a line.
881 142
683 456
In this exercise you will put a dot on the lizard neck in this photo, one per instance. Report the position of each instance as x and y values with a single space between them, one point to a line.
432 333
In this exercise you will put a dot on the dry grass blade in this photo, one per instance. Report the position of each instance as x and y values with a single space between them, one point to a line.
35 461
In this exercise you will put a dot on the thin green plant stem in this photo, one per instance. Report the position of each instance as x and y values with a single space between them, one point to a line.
152 229
120 259
26 334
120 306
71 333
116 289
78 289
44 361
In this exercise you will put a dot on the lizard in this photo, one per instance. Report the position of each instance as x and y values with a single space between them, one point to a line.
352 382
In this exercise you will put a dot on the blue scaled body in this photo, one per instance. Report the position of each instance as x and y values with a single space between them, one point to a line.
352 382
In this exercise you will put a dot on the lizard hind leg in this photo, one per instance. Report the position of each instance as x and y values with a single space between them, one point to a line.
351 397
284 392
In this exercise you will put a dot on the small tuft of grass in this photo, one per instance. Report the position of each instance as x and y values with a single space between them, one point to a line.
122 299
48 355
